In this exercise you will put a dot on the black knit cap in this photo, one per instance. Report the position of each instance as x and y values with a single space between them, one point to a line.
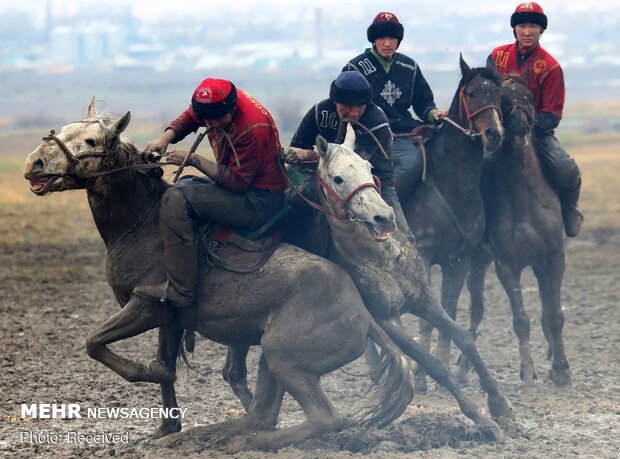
529 12
214 98
385 24
350 88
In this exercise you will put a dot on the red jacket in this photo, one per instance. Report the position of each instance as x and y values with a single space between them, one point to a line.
543 74
256 141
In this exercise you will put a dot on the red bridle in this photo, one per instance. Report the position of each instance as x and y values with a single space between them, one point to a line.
470 116
342 202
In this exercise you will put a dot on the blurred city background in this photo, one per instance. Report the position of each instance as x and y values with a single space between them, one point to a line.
147 56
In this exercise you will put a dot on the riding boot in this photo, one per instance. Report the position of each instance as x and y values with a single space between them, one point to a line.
570 212
181 262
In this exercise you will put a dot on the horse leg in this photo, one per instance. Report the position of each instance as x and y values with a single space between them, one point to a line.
431 310
167 352
237 433
549 284
235 373
510 279
453 280
137 317
426 331
475 285
440 373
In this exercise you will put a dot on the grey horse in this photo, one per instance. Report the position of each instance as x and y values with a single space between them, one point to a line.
304 331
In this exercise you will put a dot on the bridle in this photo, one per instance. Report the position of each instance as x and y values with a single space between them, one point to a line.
74 160
342 202
470 116
328 191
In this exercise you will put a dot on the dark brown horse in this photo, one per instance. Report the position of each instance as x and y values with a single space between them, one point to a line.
524 228
303 310
445 212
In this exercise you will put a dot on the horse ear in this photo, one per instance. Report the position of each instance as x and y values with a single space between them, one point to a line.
322 146
120 124
349 139
91 111
465 69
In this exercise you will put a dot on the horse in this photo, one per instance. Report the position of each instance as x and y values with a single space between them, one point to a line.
303 310
445 211
390 276
524 228
389 273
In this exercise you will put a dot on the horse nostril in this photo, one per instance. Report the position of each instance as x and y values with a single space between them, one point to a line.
491 134
380 219
38 165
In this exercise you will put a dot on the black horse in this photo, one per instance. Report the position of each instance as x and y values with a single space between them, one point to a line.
524 228
445 212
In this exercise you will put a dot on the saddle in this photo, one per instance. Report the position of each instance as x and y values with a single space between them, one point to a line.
241 251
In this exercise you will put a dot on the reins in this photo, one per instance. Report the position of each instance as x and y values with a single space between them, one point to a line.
74 160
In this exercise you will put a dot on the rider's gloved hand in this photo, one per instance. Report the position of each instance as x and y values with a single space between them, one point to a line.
435 116
293 155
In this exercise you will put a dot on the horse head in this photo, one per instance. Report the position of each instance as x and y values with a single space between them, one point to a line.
348 188
478 103
518 110
78 153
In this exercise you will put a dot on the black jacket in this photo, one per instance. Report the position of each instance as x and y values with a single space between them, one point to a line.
323 119
402 87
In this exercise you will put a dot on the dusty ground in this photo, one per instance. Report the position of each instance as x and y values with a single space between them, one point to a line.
53 292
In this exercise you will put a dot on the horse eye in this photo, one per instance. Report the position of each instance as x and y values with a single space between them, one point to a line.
470 94
338 180
90 142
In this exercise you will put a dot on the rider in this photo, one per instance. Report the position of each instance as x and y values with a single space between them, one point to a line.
243 188
545 79
398 84
350 97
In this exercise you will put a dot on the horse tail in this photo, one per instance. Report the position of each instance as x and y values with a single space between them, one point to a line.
394 381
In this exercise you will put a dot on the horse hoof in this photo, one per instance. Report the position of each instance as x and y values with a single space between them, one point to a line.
561 378
500 408
167 428
490 431
420 384
159 373
528 374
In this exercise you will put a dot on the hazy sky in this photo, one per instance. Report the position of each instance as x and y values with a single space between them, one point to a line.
156 9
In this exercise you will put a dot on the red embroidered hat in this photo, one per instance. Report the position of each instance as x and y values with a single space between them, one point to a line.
385 24
214 98
530 12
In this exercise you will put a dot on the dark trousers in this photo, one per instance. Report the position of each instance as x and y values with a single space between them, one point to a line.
197 200
407 161
559 168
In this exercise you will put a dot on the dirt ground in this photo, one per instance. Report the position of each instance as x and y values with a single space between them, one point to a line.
53 292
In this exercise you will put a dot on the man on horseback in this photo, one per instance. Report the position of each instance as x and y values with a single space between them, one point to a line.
545 80
244 187
350 100
398 84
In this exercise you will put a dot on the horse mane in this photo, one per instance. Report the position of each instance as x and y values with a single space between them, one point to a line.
123 152
483 72
508 79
